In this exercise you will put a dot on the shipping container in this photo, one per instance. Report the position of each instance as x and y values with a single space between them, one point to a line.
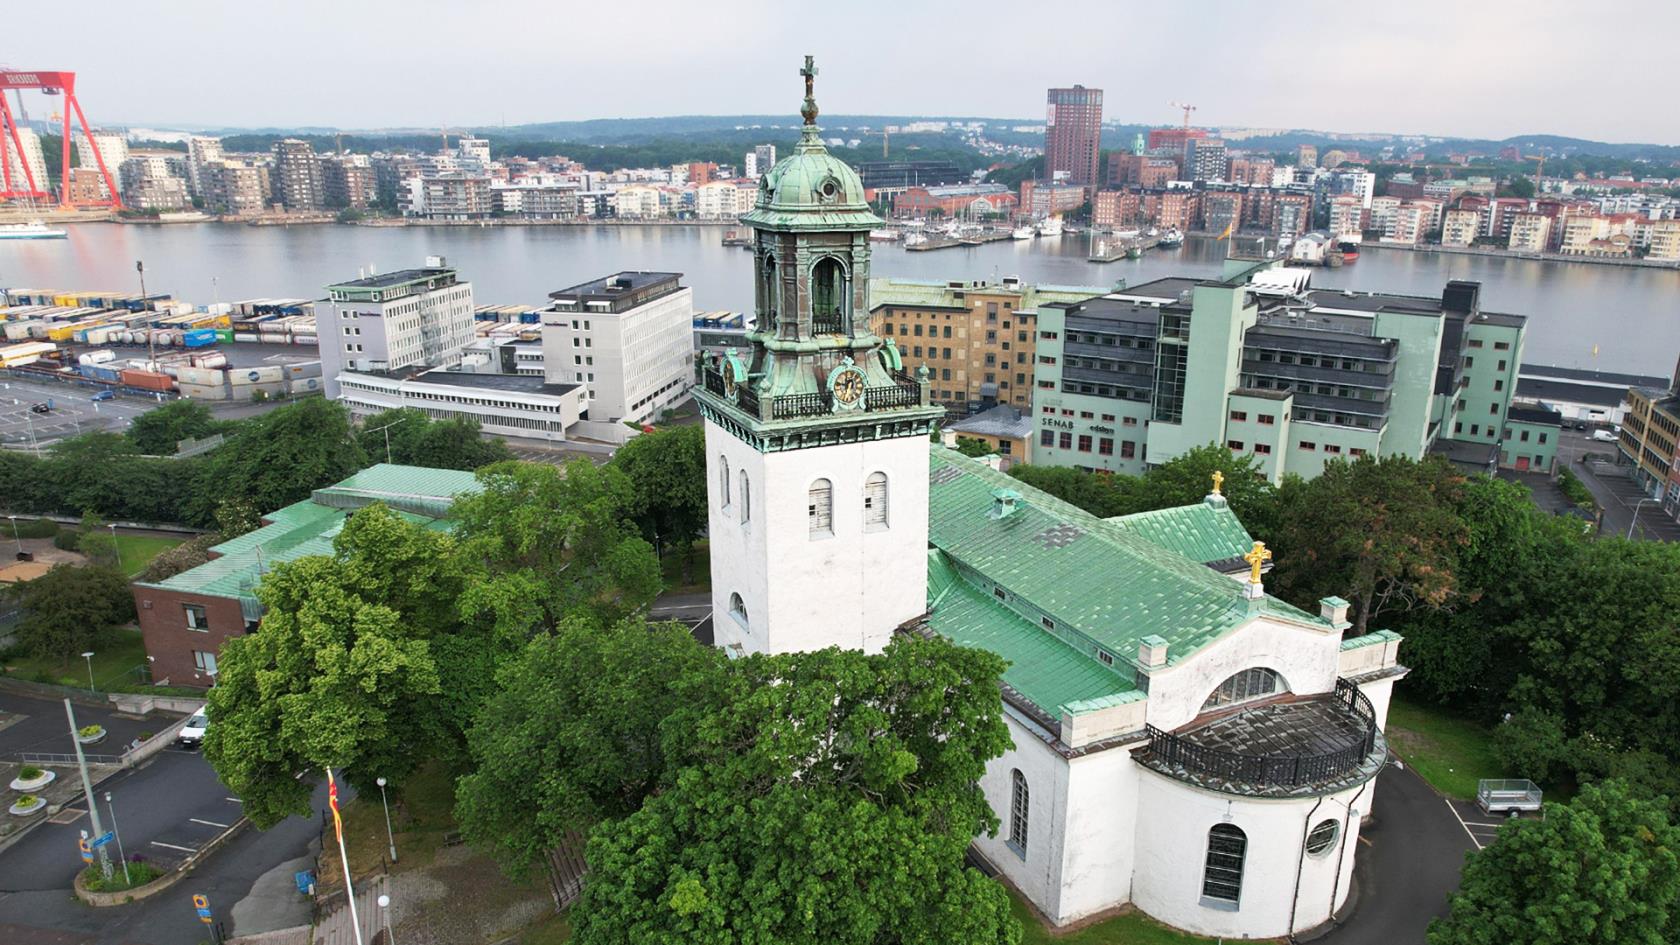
256 375
204 392
198 337
303 385
210 359
199 376
224 335
148 380
108 374
304 369
246 336
97 357
273 339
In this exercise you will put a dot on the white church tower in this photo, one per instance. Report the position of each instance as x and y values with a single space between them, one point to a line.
816 437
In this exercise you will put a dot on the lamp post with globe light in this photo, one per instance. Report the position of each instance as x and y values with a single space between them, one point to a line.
390 838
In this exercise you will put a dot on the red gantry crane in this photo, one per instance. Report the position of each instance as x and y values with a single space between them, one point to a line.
20 182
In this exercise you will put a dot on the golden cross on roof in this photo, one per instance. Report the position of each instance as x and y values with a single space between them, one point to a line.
1218 480
1256 556
809 110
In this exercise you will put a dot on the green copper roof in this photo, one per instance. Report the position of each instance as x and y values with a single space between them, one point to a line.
1204 532
811 189
1042 668
1100 585
420 495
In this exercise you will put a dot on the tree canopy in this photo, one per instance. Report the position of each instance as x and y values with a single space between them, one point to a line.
829 798
1602 869
68 609
1183 480
157 432
417 440
667 472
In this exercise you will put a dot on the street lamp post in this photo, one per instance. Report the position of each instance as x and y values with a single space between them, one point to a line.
116 546
390 838
89 657
15 536
114 829
1635 520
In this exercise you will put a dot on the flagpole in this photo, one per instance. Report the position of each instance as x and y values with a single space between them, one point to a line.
344 857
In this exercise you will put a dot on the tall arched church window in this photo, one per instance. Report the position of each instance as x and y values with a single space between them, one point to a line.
1018 808
875 502
828 296
820 508
738 609
746 498
723 482
1222 874
770 298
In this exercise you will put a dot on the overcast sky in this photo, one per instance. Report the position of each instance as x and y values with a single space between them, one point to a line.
1482 68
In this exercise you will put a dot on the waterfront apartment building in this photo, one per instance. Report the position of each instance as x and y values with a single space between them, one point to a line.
1073 134
1461 227
236 186
202 151
32 158
627 338
1530 232
393 321
1274 369
975 338
112 148
297 176
1650 442
347 181
1664 245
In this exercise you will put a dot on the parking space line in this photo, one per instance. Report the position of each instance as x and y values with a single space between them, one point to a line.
233 799
171 846
1461 823
207 823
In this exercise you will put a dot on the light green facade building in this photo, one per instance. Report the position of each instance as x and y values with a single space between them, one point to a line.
1263 363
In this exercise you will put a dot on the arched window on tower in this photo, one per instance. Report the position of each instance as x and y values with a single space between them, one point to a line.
829 296
723 482
769 299
820 508
1018 813
746 498
875 502
1245 686
1222 875
738 609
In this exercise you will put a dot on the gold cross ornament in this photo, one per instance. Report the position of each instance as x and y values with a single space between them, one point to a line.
1257 556
1218 480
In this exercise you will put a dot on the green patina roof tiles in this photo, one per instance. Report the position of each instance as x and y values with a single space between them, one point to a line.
1200 532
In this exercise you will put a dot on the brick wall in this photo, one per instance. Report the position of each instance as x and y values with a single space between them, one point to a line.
170 643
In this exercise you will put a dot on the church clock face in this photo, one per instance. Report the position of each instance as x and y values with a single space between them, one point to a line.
848 386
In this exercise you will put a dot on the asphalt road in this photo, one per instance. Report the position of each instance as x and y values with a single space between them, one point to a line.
74 411
1410 859
175 800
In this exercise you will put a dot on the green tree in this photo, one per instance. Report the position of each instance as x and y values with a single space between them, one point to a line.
974 446
94 541
1104 496
1602 869
667 472
830 797
279 458
547 543
345 672
156 432
68 609
1382 533
183 557
1187 479
579 731
417 440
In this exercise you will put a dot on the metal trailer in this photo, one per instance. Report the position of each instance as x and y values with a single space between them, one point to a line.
1507 795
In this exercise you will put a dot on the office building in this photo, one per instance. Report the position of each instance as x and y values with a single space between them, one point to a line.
1073 135
1272 368
627 338
975 338
1173 139
1204 159
897 175
1005 429
297 176
393 321
1649 442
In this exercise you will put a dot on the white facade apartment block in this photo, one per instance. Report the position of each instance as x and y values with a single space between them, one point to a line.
32 157
1461 227
1529 232
627 338
113 149
201 152
392 321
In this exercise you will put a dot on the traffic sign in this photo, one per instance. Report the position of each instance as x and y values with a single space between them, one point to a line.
100 841
201 903
87 851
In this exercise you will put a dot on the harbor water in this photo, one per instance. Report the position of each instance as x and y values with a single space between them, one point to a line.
1630 316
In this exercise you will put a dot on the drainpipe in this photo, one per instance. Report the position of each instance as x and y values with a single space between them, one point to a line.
1341 854
1300 866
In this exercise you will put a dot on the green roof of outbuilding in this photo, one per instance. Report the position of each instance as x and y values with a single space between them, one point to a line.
1096 580
1206 532
419 495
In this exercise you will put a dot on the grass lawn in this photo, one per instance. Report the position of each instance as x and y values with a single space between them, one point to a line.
700 571
139 550
1132 928
112 661
421 815
1451 753
550 931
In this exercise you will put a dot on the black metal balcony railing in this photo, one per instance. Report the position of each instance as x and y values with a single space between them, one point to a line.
897 395
799 405
828 323
748 399
1180 754
714 382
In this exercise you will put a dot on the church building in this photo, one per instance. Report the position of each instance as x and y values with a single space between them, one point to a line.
1183 743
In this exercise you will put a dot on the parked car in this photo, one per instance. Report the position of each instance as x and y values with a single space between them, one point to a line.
105 395
1580 424
1605 436
192 733
41 407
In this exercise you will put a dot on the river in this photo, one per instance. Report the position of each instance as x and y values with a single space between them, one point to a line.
1631 315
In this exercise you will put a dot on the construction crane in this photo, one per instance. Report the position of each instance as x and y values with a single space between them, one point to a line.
1187 110
884 135
1539 171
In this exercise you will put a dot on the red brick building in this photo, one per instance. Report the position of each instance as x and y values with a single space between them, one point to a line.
1147 171
1073 134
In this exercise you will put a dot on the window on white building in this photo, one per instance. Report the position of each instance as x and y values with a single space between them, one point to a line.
875 502
1323 837
1246 686
1018 813
820 508
723 480
1222 875
746 498
738 609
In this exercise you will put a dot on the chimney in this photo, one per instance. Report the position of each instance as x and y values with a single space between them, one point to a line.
1462 296
1004 503
1152 652
1334 609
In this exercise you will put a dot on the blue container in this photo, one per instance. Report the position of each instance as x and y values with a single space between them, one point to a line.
530 318
198 337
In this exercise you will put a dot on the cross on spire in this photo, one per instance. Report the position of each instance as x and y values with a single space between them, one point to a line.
809 110
1256 556
1218 480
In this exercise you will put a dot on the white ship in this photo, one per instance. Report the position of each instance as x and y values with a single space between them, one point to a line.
1171 238
1023 233
886 235
914 239
33 230
1050 226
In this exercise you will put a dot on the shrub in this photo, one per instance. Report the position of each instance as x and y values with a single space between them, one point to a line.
88 731
145 736
27 800
29 773
67 539
37 528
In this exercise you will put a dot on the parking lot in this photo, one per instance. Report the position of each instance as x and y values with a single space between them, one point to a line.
74 411
1626 506
1479 824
